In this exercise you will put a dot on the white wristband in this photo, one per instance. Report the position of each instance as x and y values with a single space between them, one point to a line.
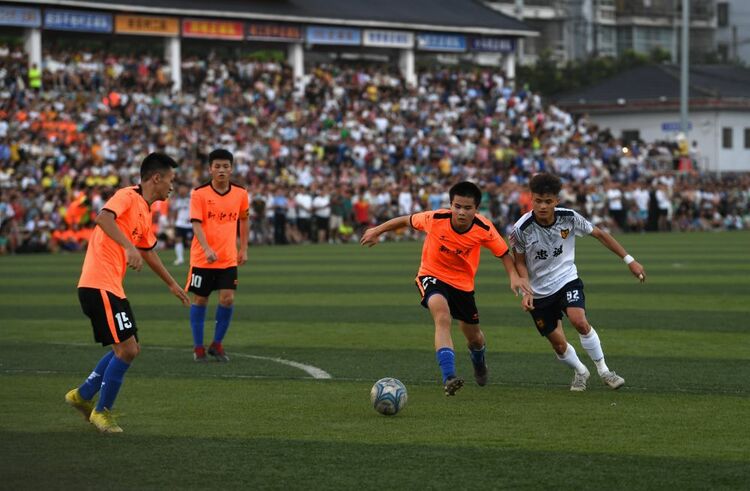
628 259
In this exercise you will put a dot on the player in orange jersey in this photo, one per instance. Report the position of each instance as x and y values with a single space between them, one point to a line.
123 238
215 210
450 258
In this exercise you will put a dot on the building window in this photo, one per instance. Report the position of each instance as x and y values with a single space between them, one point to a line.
726 137
747 137
722 14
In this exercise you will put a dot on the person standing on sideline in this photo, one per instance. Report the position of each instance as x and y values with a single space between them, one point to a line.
123 238
180 205
445 280
543 242
215 210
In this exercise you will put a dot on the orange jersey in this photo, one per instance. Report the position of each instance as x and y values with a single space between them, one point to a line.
218 215
451 256
105 264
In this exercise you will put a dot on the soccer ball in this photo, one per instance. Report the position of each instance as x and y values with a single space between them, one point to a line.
388 396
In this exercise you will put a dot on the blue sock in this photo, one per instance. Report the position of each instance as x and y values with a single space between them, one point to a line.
223 318
477 356
93 383
111 383
446 358
197 319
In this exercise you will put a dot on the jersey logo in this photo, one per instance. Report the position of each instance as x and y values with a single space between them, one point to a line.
564 233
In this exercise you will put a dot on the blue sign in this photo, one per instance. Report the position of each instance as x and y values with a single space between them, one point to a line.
674 126
441 42
494 45
333 35
72 20
20 16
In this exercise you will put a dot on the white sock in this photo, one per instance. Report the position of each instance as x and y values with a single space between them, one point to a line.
178 250
593 347
570 358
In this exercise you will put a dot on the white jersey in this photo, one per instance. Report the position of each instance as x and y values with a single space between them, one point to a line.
181 207
550 251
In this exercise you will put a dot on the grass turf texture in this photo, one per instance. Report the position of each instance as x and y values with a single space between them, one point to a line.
681 341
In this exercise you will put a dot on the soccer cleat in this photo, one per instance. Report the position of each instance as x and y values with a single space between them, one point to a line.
481 374
199 355
579 381
452 385
104 421
73 399
217 351
177 262
612 379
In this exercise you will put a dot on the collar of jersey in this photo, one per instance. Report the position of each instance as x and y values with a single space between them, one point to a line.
544 226
211 185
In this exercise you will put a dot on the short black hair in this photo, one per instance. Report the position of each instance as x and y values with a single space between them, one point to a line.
156 163
467 190
220 154
545 183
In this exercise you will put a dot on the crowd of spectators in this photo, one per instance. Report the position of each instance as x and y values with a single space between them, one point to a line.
354 146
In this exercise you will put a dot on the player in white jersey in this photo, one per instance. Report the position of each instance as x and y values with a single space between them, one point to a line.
543 241
180 208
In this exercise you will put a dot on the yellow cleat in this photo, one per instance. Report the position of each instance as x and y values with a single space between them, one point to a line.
73 399
104 421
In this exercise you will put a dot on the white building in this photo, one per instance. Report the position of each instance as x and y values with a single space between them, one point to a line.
644 104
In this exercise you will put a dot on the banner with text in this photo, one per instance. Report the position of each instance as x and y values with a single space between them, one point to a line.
441 42
213 29
388 39
270 31
493 45
20 16
73 20
147 25
333 35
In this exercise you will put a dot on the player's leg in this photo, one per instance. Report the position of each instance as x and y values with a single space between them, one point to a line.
477 347
223 318
200 284
444 353
590 342
566 353
179 246
226 283
81 398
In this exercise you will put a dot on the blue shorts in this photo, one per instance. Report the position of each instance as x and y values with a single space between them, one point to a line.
549 310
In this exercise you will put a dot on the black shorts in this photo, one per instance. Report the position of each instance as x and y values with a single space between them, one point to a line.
185 235
461 303
111 317
202 281
549 310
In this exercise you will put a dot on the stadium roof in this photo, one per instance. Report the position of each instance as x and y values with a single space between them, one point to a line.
659 86
465 16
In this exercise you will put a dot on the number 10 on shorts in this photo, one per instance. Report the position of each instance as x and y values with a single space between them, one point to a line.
196 280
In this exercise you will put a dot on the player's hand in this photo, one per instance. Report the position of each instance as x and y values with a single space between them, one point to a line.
211 255
527 303
520 285
370 237
133 258
241 257
638 271
178 292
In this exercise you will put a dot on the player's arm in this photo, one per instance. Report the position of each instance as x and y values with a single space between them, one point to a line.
106 221
244 234
611 243
154 262
370 237
203 241
519 258
518 283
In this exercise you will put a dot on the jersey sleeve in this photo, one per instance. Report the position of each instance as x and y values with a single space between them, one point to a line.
495 243
422 221
244 206
516 241
582 225
119 202
196 207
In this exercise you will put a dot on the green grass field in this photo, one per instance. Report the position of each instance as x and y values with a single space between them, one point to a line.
682 342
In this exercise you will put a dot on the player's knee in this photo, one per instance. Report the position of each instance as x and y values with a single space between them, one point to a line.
581 325
560 348
226 300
